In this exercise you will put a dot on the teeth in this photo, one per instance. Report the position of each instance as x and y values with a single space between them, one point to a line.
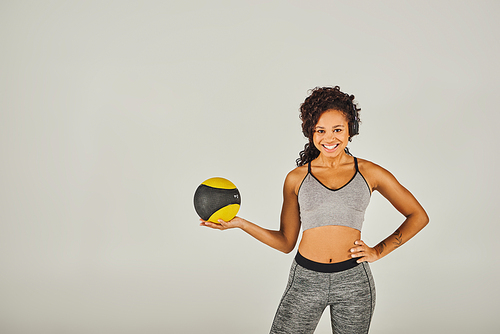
331 147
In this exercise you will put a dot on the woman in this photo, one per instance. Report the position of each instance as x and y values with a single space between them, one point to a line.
327 194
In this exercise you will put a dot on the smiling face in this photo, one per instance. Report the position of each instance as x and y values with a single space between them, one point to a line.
331 133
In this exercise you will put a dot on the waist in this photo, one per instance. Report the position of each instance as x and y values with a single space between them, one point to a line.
328 244
325 267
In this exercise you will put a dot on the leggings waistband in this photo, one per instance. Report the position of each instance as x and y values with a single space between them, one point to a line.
325 267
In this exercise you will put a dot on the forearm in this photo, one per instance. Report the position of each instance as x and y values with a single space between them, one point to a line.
274 239
410 227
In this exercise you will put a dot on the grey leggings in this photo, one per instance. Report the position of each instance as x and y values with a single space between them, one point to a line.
350 293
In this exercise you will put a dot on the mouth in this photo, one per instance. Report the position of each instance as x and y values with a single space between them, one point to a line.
330 148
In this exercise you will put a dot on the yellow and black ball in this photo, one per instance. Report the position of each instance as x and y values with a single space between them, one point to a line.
217 198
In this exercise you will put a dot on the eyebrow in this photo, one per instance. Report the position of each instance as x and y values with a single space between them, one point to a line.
335 126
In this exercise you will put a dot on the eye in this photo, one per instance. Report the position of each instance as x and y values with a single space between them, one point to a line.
320 131
337 130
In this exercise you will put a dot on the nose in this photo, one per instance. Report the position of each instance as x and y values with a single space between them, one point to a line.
330 135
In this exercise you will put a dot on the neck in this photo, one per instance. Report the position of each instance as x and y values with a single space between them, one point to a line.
332 162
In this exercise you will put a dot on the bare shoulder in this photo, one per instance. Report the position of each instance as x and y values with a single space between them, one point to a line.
369 167
294 179
374 174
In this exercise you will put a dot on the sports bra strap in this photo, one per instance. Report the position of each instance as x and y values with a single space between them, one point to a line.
309 167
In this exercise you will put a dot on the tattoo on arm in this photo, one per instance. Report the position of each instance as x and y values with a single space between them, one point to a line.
399 238
381 247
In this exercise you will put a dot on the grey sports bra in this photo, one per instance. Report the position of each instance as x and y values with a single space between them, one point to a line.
322 206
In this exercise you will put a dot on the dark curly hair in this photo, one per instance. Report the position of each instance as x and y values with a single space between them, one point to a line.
320 100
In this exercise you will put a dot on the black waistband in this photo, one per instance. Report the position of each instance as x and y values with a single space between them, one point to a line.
325 267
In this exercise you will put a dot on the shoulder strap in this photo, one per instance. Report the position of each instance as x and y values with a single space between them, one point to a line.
309 167
356 164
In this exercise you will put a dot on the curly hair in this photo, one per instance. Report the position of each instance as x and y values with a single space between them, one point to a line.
320 100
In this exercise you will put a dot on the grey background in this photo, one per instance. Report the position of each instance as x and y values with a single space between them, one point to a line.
112 113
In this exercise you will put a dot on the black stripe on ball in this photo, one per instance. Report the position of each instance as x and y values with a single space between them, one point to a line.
208 200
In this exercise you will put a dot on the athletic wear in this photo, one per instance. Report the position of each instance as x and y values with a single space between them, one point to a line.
322 206
325 267
350 293
347 287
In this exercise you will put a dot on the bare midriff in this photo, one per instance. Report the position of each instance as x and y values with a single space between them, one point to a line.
328 244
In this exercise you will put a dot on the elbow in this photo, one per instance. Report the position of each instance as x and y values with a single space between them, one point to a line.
418 219
287 248
287 242
424 219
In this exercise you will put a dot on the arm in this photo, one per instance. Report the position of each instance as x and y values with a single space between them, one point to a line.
286 237
403 201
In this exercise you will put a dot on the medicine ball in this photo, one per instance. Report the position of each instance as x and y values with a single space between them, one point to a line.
217 198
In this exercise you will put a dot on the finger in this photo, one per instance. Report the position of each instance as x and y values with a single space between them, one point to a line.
357 249
203 223
358 253
213 225
359 242
362 259
223 224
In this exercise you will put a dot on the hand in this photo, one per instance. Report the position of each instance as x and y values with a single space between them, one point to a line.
223 225
364 253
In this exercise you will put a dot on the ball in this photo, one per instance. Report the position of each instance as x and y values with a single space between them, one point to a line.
217 198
